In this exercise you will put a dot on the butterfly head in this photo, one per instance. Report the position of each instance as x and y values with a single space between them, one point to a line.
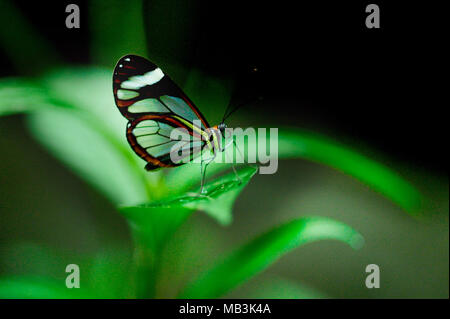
221 127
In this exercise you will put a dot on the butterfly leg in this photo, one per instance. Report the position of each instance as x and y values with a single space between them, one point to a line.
202 183
232 141
203 172
243 157
235 173
233 167
227 145
237 148
202 192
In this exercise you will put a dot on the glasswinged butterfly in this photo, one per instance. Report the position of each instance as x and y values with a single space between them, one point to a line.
155 106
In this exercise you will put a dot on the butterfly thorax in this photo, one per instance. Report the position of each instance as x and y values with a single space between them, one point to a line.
215 136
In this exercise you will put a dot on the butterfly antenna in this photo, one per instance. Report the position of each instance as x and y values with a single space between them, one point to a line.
225 114
228 112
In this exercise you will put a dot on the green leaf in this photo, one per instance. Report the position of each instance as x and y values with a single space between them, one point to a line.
78 142
262 251
39 288
157 220
19 95
180 179
220 196
74 86
154 223
83 128
88 89
151 227
295 143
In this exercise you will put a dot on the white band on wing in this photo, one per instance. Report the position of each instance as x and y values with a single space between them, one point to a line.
138 81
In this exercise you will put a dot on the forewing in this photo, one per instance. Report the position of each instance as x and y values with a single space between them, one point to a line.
141 88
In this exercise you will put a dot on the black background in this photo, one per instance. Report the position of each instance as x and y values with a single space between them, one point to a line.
318 65
279 307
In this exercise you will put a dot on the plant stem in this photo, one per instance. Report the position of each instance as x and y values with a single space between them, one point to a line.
145 272
146 266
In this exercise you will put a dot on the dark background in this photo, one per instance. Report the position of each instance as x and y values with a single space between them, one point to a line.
318 65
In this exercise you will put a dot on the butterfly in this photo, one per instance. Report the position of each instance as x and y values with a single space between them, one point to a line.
155 106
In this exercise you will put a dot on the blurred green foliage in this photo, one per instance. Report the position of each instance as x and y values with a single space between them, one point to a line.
71 112
262 251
